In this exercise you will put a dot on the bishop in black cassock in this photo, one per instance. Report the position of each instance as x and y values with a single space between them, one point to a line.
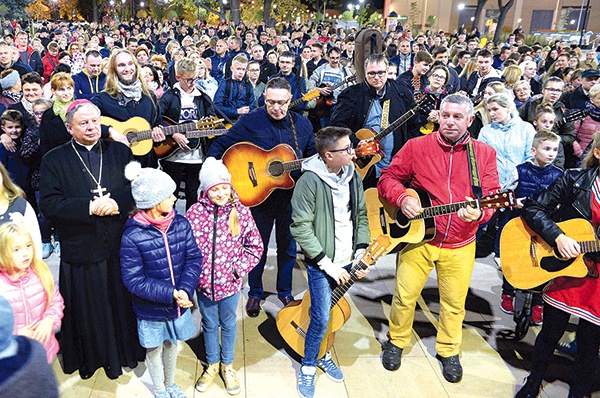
84 191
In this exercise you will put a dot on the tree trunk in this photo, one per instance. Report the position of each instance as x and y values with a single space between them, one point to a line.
267 13
235 15
95 8
501 18
478 11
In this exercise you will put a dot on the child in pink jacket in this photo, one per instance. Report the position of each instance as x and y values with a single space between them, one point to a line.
28 285
231 246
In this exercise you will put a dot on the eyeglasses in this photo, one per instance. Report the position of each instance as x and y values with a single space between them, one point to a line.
349 149
439 77
379 73
38 113
553 90
188 81
253 70
271 102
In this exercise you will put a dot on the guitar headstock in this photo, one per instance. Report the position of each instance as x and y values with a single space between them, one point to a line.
311 95
499 200
376 249
426 103
351 79
209 123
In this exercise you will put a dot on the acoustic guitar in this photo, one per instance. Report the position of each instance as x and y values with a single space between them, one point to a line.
205 128
255 172
311 95
369 152
389 220
293 320
139 132
325 103
528 261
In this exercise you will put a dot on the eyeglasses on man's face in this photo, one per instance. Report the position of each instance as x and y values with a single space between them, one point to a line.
379 73
271 102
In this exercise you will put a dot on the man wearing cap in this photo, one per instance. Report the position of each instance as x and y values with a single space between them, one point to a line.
83 190
577 98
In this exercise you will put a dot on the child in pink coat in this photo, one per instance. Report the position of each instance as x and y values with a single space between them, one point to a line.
28 285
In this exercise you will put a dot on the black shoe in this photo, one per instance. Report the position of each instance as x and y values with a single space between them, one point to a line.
253 307
390 356
451 368
85 374
529 390
286 299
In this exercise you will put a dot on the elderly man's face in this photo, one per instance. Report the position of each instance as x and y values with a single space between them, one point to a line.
85 126
454 121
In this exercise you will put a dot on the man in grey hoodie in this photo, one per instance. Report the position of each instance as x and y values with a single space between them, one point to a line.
328 197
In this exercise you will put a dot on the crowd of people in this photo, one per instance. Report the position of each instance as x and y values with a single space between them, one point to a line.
77 182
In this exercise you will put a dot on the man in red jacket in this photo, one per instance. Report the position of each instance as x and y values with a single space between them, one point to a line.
438 164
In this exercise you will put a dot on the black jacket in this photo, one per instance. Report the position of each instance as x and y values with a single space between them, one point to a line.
354 103
567 198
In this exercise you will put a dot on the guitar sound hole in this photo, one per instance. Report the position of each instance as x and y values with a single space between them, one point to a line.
276 169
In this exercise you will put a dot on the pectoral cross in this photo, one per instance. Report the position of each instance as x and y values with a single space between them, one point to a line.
99 191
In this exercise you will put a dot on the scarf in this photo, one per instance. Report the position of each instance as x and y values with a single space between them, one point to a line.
132 92
162 224
60 108
593 111
28 106
16 97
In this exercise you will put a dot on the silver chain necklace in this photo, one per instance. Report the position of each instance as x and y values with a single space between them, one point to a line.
99 190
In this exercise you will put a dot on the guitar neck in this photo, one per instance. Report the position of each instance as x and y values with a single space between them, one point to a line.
340 290
292 165
205 133
433 211
590 246
400 121
167 130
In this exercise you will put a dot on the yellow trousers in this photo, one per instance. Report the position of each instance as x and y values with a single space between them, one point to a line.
454 268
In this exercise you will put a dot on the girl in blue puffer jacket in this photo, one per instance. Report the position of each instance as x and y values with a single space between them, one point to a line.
160 264
231 246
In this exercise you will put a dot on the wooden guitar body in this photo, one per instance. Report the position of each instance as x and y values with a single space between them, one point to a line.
293 320
528 261
381 222
255 172
129 128
364 164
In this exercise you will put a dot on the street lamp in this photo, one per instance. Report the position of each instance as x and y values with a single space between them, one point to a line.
461 7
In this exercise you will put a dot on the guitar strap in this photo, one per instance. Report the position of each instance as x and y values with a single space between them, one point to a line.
295 134
385 115
475 182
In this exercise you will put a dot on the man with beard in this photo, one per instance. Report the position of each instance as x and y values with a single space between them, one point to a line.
91 79
126 95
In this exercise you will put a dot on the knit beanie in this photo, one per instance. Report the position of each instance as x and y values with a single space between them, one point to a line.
149 186
7 324
213 172
10 80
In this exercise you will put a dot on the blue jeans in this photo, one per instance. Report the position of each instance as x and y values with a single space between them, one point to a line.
278 209
320 286
214 314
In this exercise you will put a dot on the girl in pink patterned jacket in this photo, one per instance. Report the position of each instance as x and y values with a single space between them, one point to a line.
27 284
231 246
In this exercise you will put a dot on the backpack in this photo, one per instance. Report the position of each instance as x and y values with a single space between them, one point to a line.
368 41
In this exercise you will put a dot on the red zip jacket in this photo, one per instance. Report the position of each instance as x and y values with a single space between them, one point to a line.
431 164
